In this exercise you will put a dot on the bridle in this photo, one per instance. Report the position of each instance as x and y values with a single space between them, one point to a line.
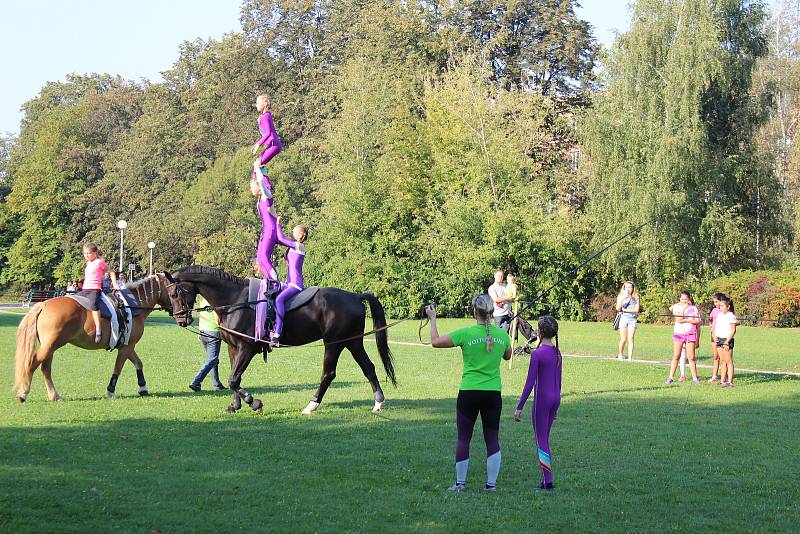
178 295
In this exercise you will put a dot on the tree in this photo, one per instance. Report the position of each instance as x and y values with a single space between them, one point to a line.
668 141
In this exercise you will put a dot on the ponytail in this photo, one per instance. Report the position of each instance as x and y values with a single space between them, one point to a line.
483 306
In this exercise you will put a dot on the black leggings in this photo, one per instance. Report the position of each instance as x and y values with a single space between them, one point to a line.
469 404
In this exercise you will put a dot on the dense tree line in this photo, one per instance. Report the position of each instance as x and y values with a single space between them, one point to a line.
425 145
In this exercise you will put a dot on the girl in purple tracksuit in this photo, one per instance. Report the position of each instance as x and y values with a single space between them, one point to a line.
294 279
268 145
544 376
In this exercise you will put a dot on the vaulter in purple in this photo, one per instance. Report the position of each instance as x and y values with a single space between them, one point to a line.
544 377
269 230
294 279
268 145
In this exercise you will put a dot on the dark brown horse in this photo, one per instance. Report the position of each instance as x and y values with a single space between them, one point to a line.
333 315
61 320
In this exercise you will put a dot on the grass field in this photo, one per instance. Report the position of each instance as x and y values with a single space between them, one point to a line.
630 454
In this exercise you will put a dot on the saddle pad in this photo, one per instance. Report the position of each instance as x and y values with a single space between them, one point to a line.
104 311
301 298
295 302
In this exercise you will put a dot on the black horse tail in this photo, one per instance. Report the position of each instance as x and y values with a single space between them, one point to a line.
381 336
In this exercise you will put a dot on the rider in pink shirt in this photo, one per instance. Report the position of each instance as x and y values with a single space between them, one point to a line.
93 284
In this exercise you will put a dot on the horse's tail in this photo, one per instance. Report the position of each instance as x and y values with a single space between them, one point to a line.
381 336
26 348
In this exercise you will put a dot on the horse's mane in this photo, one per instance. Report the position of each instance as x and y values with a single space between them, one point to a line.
139 283
214 272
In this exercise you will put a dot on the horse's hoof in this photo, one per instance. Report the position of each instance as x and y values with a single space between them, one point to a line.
230 409
111 395
378 408
257 406
143 392
20 398
312 406
58 398
248 399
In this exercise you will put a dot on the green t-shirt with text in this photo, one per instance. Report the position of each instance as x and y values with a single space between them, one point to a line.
481 368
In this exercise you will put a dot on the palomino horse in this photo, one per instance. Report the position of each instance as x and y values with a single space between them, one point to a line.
333 315
61 320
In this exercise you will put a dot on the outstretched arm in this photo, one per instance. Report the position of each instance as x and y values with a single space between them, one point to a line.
529 382
437 341
282 239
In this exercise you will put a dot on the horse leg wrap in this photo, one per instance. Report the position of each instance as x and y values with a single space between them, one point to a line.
112 384
140 378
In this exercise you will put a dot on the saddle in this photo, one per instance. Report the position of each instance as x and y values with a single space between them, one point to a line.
119 307
257 293
261 298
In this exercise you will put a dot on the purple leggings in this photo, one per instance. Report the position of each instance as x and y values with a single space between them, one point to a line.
468 405
542 417
269 153
269 236
286 293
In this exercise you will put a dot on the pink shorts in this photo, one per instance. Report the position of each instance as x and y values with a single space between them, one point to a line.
685 338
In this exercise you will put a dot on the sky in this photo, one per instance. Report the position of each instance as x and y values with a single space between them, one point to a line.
46 40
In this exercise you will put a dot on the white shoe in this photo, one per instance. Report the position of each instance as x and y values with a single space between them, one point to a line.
630 359
620 357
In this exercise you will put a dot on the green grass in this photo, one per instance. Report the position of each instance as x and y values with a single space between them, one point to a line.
771 349
629 453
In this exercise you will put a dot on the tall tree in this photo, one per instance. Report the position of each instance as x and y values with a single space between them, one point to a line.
660 144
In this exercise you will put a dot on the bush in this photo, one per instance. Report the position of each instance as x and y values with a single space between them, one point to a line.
765 298
769 298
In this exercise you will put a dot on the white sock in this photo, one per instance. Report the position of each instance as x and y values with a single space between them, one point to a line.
683 361
493 468
461 471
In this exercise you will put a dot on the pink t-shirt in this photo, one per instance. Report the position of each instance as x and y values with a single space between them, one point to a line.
713 316
93 274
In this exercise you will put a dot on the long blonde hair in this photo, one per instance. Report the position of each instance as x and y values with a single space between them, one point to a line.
483 307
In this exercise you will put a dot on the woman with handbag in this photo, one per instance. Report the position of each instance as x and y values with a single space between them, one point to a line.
627 312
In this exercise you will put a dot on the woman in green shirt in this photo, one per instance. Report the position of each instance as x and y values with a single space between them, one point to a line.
483 345
209 337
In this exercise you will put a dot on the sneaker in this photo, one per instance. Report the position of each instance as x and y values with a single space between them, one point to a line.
682 378
487 487
620 357
546 487
713 380
457 488
669 381
219 387
630 358
728 384
194 387
723 384
696 381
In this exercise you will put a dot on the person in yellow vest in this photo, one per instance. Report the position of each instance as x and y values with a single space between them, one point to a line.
209 337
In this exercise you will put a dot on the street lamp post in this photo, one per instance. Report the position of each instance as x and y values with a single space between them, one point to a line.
151 246
121 224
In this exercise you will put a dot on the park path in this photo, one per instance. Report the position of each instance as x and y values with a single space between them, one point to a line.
639 361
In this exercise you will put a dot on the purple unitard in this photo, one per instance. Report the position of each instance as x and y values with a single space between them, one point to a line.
271 143
269 236
544 377
294 279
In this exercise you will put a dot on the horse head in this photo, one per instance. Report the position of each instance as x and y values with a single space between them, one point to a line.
181 297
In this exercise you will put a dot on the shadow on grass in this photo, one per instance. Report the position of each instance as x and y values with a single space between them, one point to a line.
256 391
327 471
285 472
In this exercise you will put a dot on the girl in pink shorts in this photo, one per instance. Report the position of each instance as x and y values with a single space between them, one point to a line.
687 319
